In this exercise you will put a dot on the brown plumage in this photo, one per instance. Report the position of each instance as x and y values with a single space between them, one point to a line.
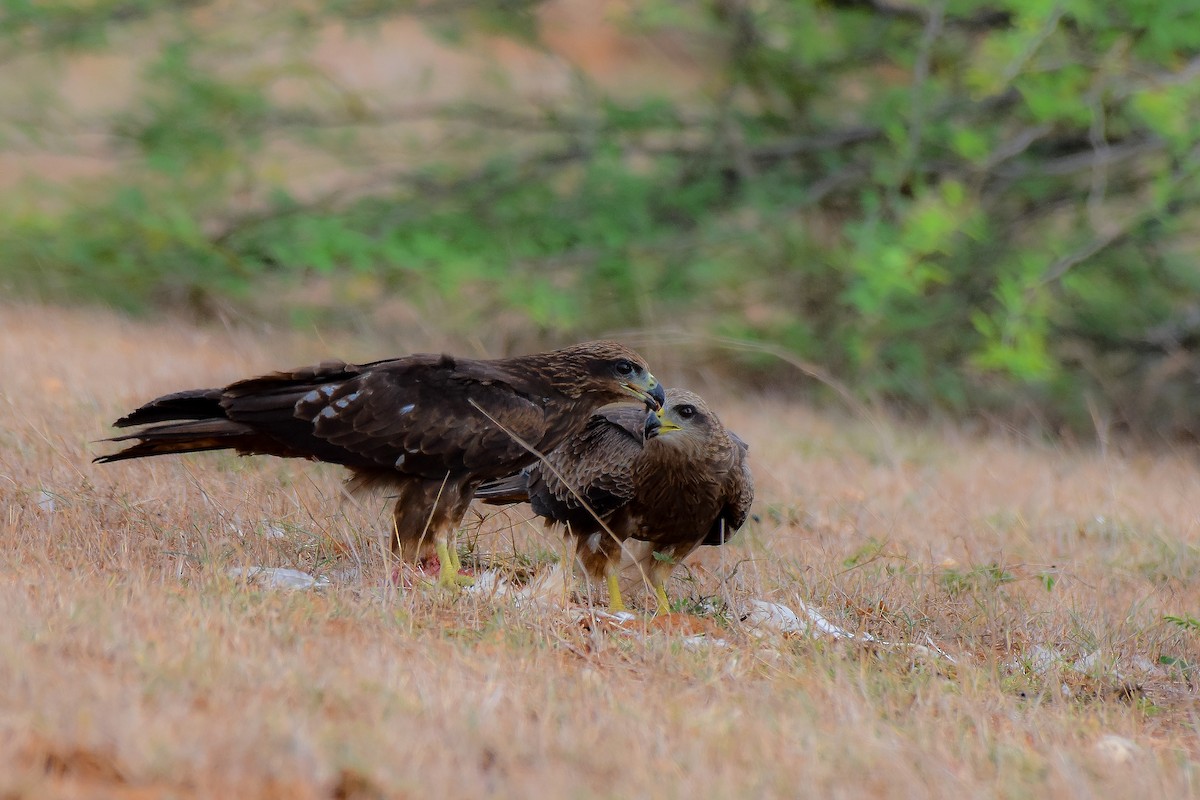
433 427
677 479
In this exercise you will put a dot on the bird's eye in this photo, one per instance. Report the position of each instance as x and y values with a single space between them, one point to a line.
624 367
686 412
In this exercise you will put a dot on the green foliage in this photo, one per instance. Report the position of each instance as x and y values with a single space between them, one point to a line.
191 123
947 205
1185 621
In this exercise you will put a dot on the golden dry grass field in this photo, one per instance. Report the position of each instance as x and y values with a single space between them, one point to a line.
133 665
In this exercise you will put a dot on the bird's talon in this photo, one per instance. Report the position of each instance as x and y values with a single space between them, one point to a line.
453 583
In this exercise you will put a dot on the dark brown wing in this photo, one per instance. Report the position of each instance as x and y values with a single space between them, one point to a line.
421 415
591 473
738 493
428 418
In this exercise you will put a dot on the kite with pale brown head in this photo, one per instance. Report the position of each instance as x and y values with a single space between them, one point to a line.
430 427
676 479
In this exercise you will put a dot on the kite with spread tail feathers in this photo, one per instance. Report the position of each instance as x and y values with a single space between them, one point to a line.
676 479
430 427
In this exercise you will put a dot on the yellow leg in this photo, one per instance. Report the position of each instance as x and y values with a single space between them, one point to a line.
615 603
448 576
455 560
664 605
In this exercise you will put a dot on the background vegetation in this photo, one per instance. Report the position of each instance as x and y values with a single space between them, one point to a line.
956 205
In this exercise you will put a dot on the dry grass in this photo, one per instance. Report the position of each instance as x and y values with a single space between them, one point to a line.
133 666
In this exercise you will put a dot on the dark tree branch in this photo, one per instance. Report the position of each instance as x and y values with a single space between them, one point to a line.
982 21
1123 231
767 154
1083 160
379 9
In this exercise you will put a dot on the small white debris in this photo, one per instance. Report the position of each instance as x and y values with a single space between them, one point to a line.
781 619
345 576
278 578
274 531
1087 663
489 582
699 641
615 619
1037 660
46 502
1144 665
931 649
1040 660
774 617
765 617
547 587
1092 664
822 625
1116 749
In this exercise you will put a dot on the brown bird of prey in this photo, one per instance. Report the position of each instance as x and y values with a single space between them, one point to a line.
430 427
676 479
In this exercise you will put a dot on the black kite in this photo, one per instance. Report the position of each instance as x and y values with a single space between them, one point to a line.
431 427
676 479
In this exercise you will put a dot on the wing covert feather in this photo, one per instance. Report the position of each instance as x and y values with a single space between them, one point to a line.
738 492
426 420
597 465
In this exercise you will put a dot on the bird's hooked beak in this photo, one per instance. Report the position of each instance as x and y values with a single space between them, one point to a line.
651 392
653 423
664 425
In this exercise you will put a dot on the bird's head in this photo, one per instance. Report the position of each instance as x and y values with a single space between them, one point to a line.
618 372
684 420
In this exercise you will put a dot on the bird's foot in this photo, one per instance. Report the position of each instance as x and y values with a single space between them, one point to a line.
615 602
450 574
429 572
455 581
456 563
664 604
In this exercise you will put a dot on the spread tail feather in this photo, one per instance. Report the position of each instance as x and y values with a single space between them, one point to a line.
504 491
187 437
190 404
